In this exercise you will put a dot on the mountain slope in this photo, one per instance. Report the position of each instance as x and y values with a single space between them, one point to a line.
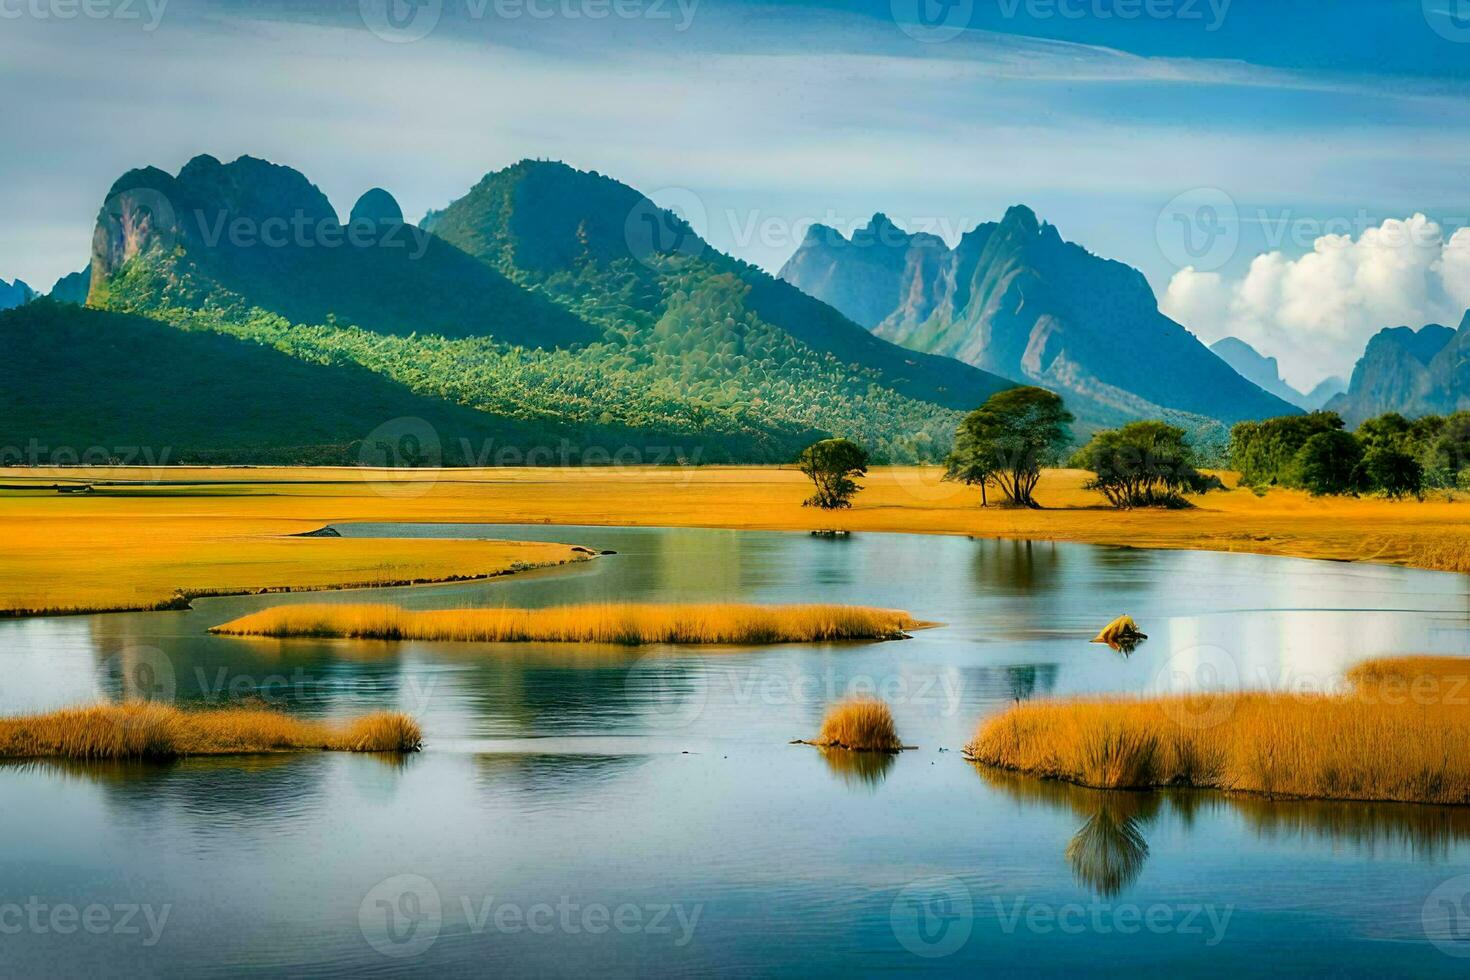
102 385
1015 299
577 341
1412 372
604 250
267 237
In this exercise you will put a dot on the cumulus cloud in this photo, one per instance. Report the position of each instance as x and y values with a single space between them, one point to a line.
1315 313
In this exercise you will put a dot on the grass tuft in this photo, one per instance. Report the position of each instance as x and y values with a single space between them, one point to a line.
859 724
150 730
1401 734
618 623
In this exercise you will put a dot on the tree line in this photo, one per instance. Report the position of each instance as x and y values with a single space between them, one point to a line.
1003 446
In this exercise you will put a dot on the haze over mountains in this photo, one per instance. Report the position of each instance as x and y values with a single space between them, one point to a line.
1265 373
1014 298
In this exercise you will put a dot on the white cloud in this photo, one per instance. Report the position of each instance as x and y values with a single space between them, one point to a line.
1315 313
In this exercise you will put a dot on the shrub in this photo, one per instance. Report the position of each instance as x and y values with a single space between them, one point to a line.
1143 464
1328 463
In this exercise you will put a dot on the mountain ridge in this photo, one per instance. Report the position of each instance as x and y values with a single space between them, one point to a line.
1017 299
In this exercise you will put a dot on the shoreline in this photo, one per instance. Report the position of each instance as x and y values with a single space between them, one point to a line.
116 549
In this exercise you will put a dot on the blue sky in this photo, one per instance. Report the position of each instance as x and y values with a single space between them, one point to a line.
1114 119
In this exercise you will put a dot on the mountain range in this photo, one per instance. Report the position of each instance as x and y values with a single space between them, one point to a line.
1265 373
1016 299
548 307
13 294
1412 372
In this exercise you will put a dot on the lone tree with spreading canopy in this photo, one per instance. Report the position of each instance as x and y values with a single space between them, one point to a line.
1008 440
831 464
1143 464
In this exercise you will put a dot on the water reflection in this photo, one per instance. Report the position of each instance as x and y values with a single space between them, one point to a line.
859 770
1108 851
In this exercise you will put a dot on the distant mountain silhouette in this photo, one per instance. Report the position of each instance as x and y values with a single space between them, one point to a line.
13 294
1412 372
1015 299
1265 373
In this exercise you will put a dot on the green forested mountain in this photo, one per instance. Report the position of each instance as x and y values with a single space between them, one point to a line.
575 313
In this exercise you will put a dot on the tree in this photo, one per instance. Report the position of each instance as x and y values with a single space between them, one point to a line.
1449 454
1328 463
1265 452
1143 464
1008 440
1395 473
831 464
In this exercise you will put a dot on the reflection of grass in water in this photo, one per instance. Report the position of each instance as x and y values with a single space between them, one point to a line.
1422 831
859 769
1108 851
618 623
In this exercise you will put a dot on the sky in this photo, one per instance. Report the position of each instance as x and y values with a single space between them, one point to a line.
1293 173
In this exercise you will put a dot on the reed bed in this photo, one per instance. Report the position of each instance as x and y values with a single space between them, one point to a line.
1363 745
150 730
613 623
860 725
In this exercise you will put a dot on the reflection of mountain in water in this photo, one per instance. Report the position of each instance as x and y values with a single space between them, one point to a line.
1108 851
859 770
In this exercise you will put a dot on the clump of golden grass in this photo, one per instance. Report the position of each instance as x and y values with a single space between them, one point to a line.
621 623
859 724
150 730
1363 745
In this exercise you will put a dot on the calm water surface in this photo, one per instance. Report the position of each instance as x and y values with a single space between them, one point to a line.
641 811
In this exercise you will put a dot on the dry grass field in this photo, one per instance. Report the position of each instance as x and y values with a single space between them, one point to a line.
132 544
626 624
150 730
1401 734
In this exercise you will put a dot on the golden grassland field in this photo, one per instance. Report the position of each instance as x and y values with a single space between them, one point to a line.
1400 733
129 545
613 623
150 730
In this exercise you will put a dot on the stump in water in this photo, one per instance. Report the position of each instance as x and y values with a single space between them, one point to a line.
1121 634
